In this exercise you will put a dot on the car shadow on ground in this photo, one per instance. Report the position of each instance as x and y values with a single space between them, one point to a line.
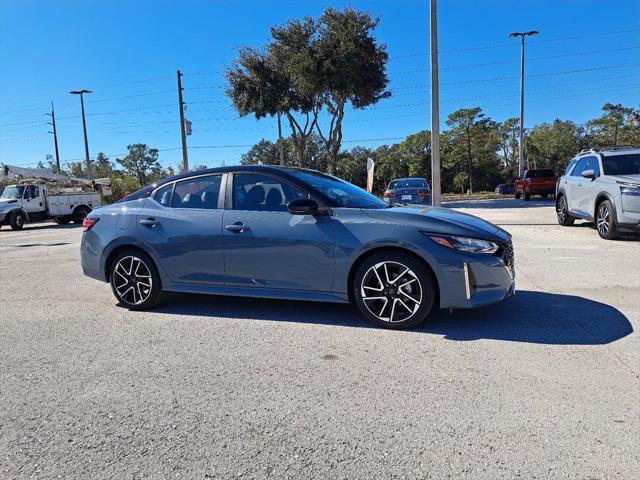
501 203
531 317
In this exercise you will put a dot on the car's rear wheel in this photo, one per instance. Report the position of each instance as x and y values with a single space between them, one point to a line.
516 195
606 221
562 212
135 280
527 196
393 290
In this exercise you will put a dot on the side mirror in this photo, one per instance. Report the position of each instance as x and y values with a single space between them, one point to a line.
303 206
589 174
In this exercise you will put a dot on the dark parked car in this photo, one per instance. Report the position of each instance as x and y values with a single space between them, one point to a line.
536 182
505 189
288 233
408 190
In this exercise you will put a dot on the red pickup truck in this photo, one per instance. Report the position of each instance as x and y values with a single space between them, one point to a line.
536 182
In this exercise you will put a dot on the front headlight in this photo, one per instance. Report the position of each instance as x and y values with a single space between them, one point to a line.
629 189
464 244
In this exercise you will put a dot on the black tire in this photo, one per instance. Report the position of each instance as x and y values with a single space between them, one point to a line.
125 274
606 222
562 212
527 196
544 195
62 220
17 220
516 196
79 214
416 290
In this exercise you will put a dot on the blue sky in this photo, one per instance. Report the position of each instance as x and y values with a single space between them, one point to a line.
128 52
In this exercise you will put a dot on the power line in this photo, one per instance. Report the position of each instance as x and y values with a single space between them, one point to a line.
511 45
506 62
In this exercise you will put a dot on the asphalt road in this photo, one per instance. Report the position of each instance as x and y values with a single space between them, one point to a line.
545 385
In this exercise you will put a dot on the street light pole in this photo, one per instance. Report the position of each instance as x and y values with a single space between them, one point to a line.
435 109
522 36
84 128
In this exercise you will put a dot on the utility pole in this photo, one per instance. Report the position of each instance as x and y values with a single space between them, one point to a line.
55 136
522 36
84 127
280 145
435 110
183 132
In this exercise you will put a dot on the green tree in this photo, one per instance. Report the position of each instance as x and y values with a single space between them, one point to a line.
141 163
76 169
102 167
553 144
618 125
472 143
307 67
279 79
352 70
266 152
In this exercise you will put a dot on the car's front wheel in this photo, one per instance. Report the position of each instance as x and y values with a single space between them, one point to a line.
606 221
17 221
562 212
135 280
393 290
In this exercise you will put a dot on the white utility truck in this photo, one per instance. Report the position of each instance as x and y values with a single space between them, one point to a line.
61 199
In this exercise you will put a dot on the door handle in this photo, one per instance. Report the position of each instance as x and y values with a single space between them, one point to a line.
149 222
236 227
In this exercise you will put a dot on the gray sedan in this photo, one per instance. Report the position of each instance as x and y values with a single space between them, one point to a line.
273 232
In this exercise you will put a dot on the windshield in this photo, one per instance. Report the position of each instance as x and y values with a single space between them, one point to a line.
13 192
408 183
628 164
341 193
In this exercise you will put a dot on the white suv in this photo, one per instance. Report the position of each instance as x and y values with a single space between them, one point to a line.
602 186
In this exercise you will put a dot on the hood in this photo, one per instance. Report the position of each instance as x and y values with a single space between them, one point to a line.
5 202
625 178
441 220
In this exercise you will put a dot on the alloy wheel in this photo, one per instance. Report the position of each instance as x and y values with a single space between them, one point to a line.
132 280
603 220
391 292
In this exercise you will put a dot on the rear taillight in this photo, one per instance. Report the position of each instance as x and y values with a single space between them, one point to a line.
389 195
89 222
423 194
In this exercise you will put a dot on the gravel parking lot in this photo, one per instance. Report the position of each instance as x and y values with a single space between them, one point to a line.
545 385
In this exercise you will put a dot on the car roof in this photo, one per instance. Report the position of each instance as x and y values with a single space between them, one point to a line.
148 189
609 151
233 168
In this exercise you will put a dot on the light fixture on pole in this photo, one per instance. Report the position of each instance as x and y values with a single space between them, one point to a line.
522 36
84 128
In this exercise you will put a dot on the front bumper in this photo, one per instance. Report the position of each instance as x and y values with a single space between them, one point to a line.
477 280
